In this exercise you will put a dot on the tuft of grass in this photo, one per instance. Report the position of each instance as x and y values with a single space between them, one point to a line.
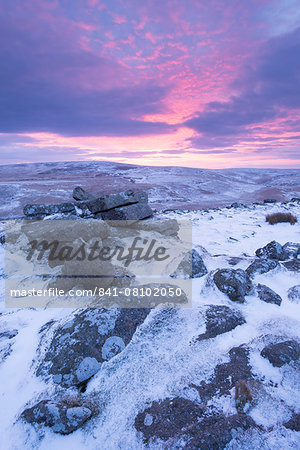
281 217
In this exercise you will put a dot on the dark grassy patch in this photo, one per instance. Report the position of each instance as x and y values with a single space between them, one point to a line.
281 217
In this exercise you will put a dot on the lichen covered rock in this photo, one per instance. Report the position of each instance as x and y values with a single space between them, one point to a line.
268 295
236 284
57 415
273 250
260 266
294 293
167 418
220 319
80 346
282 353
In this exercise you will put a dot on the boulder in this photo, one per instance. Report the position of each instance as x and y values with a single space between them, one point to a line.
294 293
236 284
191 266
260 266
167 418
80 194
220 319
282 353
292 249
268 295
135 212
80 346
57 415
270 200
273 250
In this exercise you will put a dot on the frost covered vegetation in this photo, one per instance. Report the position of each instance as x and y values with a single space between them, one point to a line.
281 217
222 374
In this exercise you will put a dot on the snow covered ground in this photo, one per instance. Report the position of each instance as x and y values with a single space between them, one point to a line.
164 358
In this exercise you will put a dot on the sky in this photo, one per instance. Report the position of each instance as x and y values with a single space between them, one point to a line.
193 83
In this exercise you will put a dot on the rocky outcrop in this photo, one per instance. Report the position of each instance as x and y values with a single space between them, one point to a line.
59 416
220 319
273 250
111 201
80 346
191 266
128 205
282 353
236 284
268 295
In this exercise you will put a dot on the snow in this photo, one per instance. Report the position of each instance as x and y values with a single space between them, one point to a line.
164 358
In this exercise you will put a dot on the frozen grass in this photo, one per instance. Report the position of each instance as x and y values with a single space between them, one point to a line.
281 217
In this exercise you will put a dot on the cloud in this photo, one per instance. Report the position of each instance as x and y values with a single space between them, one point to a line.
268 90
50 83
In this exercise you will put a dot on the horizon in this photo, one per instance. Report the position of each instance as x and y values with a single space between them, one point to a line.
196 85
98 161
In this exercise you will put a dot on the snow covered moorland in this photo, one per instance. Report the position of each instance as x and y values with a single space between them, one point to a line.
224 373
168 187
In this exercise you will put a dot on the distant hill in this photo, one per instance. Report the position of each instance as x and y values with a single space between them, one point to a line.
168 187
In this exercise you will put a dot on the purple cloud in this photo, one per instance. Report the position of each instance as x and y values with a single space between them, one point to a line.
268 90
50 83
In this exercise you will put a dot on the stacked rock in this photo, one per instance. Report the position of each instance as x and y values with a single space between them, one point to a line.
128 205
